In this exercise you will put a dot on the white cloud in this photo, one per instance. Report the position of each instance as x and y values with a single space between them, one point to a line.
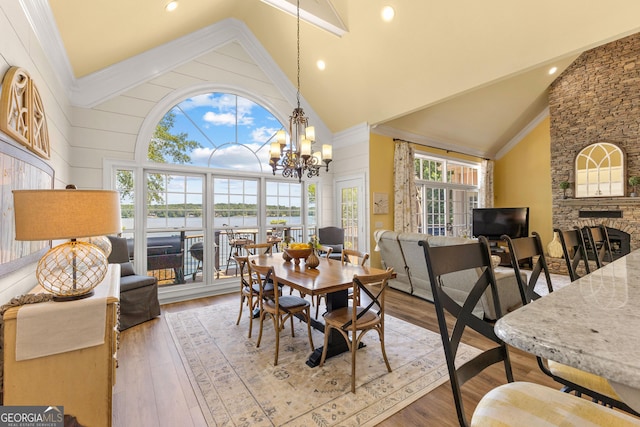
263 133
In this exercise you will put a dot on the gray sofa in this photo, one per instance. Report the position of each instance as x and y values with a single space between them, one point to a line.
402 252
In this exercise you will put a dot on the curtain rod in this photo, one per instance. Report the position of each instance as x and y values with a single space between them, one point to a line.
443 149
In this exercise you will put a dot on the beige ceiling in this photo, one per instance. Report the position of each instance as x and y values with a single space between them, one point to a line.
468 75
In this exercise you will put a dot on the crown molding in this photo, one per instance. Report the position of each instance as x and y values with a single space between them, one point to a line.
91 90
424 140
42 22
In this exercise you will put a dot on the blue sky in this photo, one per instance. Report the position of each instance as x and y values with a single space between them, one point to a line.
211 120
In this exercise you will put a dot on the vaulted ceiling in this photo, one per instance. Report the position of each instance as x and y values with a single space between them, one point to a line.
465 75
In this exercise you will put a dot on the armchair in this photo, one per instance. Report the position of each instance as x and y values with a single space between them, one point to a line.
332 237
138 294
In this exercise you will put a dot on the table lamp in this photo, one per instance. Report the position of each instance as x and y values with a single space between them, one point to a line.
71 270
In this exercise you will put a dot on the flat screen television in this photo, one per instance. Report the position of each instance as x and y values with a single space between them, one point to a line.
494 222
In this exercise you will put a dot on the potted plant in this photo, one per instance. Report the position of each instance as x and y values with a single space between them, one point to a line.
634 181
564 185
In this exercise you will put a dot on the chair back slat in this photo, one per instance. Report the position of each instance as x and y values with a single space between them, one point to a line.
256 248
598 239
528 248
574 252
352 256
443 260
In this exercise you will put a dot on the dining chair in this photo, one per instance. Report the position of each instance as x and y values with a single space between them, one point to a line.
352 256
355 321
236 241
249 290
574 252
324 251
347 256
514 403
572 379
280 308
256 248
599 244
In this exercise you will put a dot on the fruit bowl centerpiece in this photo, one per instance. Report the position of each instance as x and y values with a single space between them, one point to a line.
296 252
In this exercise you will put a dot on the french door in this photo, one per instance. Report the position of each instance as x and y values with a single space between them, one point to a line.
350 204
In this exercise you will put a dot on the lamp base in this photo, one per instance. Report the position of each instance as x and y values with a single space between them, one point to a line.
62 298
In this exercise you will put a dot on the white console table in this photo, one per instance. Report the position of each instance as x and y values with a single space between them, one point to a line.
80 379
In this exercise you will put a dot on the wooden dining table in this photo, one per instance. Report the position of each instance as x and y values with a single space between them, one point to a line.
592 324
331 277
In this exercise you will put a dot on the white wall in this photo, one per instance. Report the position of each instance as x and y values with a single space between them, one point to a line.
83 137
19 47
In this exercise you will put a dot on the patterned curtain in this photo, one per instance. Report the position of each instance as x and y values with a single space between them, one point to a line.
405 194
486 184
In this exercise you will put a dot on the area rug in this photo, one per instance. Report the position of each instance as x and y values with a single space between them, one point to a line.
237 385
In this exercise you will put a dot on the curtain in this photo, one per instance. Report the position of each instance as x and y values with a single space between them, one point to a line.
486 184
405 194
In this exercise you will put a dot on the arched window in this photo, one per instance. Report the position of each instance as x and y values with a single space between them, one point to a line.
600 171
216 130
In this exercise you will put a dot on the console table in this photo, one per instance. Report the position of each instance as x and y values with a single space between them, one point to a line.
81 379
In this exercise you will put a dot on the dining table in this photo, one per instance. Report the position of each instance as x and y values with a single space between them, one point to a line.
330 277
592 324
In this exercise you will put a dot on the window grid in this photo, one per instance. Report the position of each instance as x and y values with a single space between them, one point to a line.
446 200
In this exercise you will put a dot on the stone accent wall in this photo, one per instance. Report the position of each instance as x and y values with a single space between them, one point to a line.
597 99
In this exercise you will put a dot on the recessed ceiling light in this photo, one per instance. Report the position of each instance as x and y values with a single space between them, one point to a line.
553 70
388 13
171 6
321 65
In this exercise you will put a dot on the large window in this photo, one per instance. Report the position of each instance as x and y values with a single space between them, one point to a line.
448 192
207 184
284 202
216 130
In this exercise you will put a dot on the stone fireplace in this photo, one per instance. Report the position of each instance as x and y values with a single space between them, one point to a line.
597 99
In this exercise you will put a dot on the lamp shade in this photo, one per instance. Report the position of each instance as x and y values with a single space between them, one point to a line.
65 214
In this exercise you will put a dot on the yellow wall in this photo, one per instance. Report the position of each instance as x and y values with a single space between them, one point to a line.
381 150
523 178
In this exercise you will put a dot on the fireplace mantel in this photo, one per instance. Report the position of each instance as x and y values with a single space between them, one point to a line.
601 201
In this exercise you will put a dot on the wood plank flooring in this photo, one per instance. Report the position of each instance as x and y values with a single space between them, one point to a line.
152 388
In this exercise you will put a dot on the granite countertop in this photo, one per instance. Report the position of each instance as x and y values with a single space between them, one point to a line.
592 324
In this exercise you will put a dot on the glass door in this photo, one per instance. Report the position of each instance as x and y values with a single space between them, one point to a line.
350 213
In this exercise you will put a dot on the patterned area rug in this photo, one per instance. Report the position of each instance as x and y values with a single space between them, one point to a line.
237 384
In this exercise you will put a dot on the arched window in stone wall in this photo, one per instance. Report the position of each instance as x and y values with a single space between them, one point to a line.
600 171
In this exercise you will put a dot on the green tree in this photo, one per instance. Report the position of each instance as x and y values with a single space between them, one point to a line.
164 147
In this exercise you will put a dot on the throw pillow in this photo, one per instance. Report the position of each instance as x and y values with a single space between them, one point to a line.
126 269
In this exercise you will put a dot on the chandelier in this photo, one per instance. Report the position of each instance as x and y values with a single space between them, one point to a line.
298 158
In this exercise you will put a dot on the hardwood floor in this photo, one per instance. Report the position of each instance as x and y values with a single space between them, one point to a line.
152 388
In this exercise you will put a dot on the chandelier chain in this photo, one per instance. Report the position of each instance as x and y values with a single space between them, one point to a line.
298 47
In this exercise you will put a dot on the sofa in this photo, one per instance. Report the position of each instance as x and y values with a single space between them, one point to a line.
402 252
